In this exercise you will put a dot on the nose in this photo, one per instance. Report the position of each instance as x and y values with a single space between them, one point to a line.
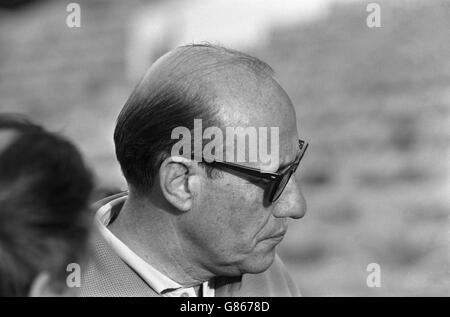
291 203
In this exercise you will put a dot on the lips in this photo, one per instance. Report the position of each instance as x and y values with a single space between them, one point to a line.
278 236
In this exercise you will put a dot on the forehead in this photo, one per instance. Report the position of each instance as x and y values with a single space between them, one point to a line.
247 99
255 102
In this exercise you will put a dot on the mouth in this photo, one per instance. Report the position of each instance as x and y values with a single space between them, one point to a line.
277 236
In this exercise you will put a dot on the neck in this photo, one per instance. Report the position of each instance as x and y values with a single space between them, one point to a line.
152 234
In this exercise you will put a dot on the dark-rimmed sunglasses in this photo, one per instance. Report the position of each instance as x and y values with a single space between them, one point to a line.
277 181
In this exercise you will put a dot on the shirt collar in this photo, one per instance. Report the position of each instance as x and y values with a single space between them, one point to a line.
155 279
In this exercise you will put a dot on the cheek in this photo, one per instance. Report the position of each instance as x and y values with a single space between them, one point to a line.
235 215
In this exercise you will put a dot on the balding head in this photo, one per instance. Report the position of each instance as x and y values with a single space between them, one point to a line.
227 225
220 86
203 63
231 83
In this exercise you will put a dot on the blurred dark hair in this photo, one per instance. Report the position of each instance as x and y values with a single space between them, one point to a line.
44 194
143 131
15 4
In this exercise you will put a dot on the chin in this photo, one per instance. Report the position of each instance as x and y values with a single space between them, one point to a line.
258 262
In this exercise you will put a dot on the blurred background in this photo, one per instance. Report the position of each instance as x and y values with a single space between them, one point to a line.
373 102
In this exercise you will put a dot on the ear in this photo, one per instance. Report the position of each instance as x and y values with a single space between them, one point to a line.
178 178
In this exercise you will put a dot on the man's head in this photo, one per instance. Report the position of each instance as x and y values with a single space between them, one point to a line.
220 217
44 219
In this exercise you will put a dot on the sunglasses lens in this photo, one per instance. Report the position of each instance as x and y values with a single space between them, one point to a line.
282 185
